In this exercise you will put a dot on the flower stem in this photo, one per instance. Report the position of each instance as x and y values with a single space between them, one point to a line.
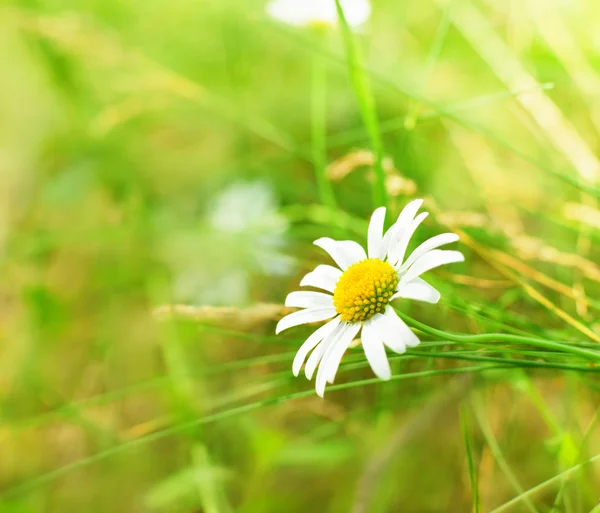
361 84
502 337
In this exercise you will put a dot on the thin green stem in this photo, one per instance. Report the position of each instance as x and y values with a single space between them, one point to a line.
492 443
355 135
502 337
192 424
366 103
432 58
511 361
545 484
565 174
465 425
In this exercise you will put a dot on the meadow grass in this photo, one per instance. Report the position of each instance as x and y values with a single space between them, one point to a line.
139 369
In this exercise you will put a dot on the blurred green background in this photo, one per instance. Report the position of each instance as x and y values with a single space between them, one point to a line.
164 153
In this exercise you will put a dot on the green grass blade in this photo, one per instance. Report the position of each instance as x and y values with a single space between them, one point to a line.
53 475
366 102
465 425
496 451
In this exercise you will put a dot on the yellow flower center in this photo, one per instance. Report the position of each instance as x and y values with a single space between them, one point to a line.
364 289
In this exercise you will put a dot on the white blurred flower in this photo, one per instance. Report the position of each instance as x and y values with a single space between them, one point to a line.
244 235
360 292
247 206
318 12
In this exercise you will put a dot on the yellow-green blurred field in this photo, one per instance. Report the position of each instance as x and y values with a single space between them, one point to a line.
159 198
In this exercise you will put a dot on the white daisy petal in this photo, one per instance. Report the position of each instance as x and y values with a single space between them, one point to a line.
395 334
311 342
396 253
344 252
397 330
386 241
406 217
332 357
375 234
305 299
340 349
375 352
304 317
379 327
321 349
431 260
428 245
331 348
419 290
323 277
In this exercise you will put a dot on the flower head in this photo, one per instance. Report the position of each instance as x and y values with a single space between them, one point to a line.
319 12
359 292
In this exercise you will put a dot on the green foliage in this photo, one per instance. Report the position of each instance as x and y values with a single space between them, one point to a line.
156 153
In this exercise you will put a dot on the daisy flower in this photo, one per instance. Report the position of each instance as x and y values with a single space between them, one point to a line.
359 292
302 13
